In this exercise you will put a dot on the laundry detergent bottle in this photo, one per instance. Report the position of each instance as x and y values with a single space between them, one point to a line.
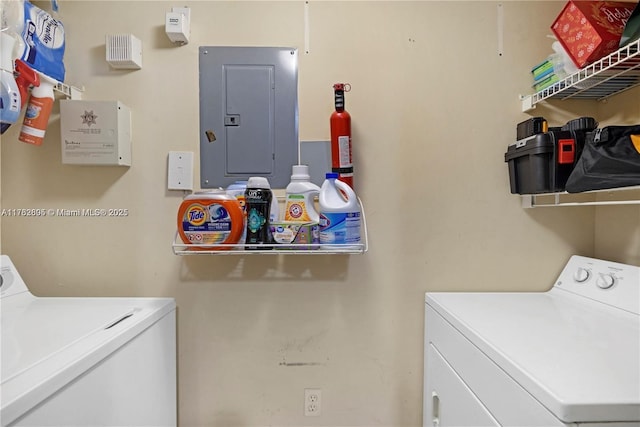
339 215
258 198
300 195
210 220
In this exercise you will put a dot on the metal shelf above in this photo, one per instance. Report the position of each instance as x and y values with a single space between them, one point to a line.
606 77
608 197
180 248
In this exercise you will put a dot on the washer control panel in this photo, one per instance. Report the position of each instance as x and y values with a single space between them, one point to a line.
604 281
10 281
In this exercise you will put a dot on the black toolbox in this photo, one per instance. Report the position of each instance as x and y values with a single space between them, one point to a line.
543 157
541 163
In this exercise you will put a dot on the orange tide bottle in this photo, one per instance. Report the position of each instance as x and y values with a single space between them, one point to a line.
210 220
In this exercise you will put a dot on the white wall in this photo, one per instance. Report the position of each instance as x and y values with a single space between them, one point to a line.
434 107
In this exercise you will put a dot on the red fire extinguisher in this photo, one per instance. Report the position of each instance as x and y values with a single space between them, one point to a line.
341 159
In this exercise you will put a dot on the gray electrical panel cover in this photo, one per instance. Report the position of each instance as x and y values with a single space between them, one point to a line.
248 114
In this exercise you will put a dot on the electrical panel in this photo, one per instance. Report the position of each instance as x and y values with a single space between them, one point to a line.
248 114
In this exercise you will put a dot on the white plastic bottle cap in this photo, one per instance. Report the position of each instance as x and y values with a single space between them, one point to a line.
300 172
258 182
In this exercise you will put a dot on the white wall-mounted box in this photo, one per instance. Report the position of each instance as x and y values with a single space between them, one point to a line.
124 51
95 133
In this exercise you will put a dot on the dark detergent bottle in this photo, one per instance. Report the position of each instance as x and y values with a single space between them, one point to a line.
258 197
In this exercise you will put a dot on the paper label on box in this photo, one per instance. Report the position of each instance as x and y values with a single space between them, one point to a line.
95 132
89 139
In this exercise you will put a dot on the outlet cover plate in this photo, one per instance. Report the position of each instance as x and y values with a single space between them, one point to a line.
180 170
312 402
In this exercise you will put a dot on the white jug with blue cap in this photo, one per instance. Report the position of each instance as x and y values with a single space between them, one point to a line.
339 215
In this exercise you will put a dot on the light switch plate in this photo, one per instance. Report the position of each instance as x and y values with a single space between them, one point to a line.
180 170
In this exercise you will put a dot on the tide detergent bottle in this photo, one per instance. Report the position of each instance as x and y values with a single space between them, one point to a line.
299 197
339 215
210 220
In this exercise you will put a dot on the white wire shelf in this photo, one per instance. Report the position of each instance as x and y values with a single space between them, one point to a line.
613 74
620 196
181 248
264 249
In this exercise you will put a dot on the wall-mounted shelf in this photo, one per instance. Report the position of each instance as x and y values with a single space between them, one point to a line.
606 77
609 197
180 248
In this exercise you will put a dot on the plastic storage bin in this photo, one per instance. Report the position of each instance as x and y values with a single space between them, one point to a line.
542 163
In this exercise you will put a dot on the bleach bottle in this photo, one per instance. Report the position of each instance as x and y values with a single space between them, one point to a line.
339 215
299 196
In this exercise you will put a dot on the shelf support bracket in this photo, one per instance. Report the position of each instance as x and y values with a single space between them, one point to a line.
527 201
527 103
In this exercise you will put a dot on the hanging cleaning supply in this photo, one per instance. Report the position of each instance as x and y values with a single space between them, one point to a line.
10 101
26 77
340 123
36 118
339 215
299 196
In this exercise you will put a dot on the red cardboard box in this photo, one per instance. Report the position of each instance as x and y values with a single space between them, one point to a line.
590 30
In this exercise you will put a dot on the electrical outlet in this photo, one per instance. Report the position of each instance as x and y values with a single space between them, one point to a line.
312 402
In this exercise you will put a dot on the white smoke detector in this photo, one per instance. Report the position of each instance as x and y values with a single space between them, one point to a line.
124 51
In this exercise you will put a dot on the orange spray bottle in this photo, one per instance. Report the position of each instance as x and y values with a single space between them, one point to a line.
36 117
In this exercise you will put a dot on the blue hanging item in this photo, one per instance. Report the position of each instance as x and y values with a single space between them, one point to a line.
44 42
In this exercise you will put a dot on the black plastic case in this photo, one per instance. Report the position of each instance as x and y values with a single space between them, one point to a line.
530 127
534 166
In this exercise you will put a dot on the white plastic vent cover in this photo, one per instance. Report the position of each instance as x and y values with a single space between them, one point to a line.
124 51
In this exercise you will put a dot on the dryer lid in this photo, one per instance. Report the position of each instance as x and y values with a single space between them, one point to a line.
574 355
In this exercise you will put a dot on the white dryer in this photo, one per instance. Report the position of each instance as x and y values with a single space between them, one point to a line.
85 361
566 357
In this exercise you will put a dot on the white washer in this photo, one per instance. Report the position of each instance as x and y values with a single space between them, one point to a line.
85 361
566 357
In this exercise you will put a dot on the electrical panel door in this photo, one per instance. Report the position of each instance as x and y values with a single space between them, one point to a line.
248 114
